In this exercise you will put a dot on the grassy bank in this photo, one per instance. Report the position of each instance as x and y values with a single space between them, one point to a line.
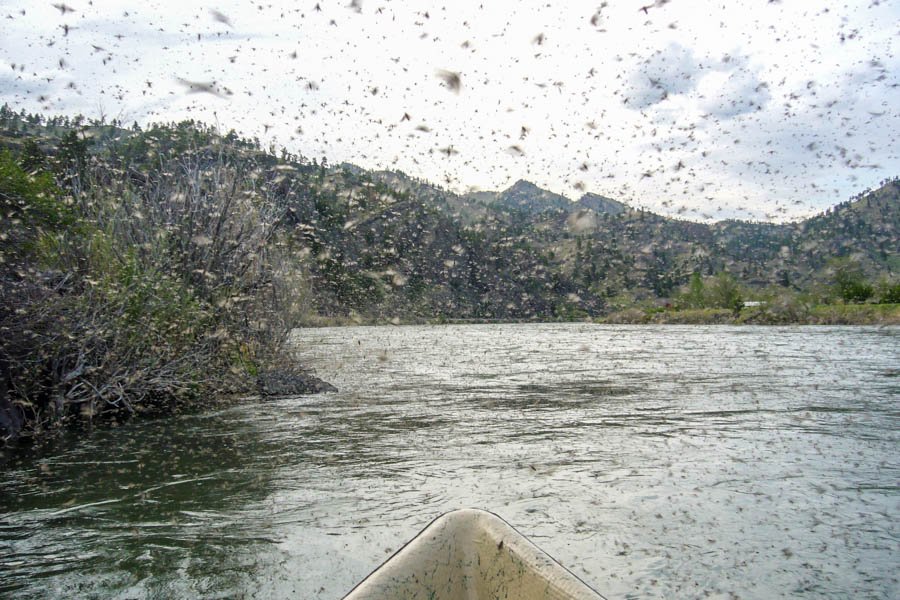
831 314
851 314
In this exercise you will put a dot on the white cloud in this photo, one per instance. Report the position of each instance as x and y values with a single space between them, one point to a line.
671 71
732 93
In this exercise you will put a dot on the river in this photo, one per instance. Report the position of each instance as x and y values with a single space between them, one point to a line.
653 461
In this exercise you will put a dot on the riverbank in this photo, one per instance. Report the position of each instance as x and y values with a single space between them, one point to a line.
831 314
123 297
824 314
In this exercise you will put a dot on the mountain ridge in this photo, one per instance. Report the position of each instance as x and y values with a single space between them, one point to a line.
385 243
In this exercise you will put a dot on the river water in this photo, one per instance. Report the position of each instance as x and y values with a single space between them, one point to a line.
653 461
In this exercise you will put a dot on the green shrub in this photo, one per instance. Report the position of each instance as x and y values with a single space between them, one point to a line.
30 205
724 292
889 293
849 281
855 291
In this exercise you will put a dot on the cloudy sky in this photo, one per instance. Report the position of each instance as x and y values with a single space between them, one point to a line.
764 109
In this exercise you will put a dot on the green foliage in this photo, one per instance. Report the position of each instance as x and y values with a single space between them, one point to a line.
29 202
856 292
32 157
30 210
849 281
889 293
350 288
724 292
720 291
695 297
154 303
73 157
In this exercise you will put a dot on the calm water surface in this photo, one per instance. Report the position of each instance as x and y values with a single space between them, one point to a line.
655 462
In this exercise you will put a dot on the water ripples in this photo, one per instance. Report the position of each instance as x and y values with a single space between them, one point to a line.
654 461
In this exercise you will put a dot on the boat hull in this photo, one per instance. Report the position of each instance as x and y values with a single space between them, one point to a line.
471 555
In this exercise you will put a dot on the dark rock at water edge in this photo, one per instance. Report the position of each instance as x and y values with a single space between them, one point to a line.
290 383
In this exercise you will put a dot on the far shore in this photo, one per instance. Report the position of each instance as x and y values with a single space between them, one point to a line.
831 314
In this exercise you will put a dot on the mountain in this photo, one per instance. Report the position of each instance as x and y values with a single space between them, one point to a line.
601 204
866 227
385 244
529 198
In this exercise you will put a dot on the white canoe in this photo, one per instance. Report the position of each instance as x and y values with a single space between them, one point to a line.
471 555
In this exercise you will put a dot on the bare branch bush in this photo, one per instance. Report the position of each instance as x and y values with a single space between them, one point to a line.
172 287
